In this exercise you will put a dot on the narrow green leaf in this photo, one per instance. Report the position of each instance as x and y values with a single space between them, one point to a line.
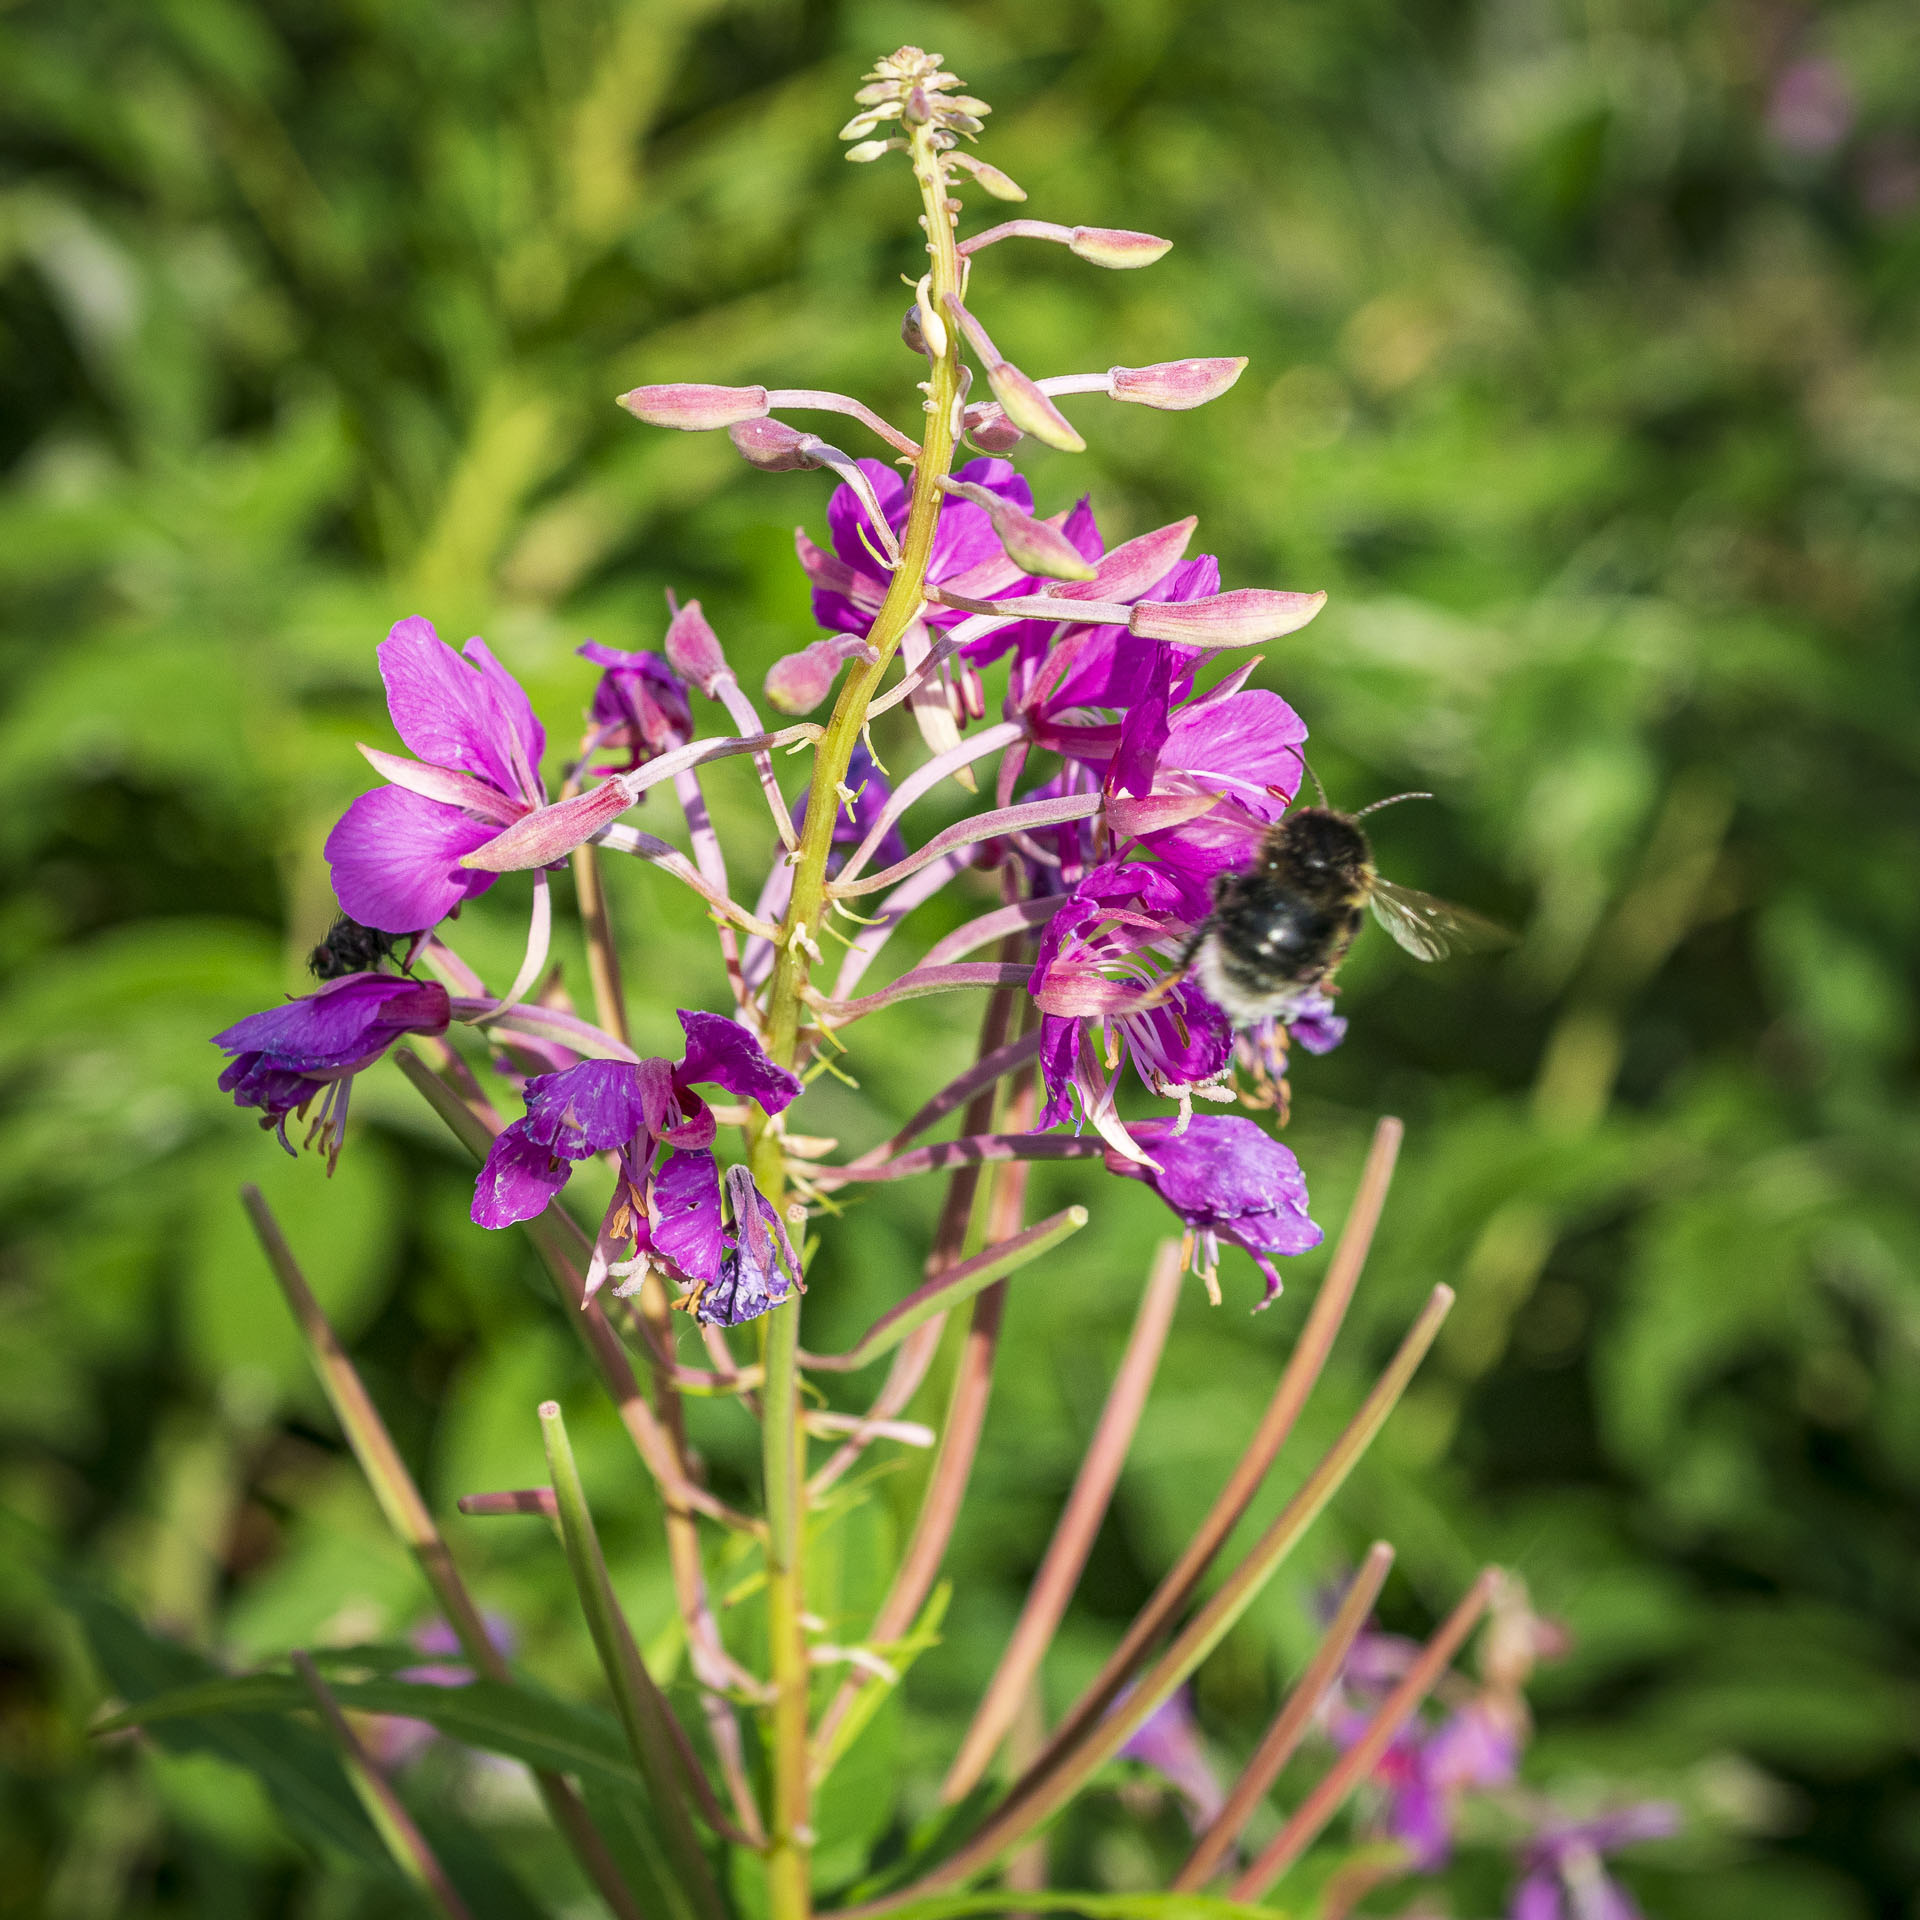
1091 1906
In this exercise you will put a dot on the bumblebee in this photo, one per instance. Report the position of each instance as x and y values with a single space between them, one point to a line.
351 948
1279 931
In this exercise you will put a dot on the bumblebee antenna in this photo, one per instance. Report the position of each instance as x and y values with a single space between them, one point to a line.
1315 778
1392 800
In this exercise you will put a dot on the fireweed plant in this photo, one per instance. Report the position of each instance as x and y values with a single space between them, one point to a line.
1115 788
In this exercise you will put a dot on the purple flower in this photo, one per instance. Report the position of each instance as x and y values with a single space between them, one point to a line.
397 1738
639 707
396 852
1168 1741
1564 1879
285 1056
871 791
1092 965
1227 1181
1313 1023
666 1200
849 583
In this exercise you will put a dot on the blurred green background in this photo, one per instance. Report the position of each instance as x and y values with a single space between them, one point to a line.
1585 375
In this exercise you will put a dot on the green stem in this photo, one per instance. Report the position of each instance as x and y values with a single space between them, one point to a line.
789 1886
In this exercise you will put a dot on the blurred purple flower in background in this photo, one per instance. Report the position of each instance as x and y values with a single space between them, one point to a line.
1168 1741
1564 1877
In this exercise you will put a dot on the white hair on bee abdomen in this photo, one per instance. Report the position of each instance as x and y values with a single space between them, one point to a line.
1243 1006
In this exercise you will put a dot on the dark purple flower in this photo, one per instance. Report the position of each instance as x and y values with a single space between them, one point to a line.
1427 1768
639 707
1226 1180
285 1056
666 1200
1093 965
1168 1741
850 582
758 1266
871 791
1313 1023
396 851
1564 1878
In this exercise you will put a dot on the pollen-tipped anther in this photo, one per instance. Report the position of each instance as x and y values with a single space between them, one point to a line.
1240 619
1175 385
693 408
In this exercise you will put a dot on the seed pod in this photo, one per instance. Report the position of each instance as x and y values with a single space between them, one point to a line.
1240 619
1175 385
1031 411
693 408
1117 246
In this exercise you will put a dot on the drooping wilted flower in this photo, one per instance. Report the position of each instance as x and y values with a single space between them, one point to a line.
285 1057
639 709
667 1206
1226 1180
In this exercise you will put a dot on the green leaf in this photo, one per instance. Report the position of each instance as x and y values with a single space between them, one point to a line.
291 1761
526 1726
1091 1906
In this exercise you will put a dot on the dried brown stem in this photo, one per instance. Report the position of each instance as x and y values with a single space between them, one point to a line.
1066 1556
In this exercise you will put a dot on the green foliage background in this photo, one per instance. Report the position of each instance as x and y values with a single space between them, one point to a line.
1592 398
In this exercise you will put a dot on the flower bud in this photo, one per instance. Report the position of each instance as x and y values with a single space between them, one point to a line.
870 149
991 178
990 430
916 109
1117 247
695 409
551 833
1031 544
1175 385
911 335
1030 410
773 446
800 681
693 649
1239 619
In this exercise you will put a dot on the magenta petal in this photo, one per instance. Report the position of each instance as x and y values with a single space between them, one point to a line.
585 1109
685 1214
1223 1175
964 538
1244 746
846 516
1144 733
722 1053
519 1178
396 857
345 1023
476 719
1059 1050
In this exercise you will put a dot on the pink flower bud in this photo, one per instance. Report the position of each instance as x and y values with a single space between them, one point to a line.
772 446
695 409
1117 247
1032 545
991 178
693 649
1030 410
800 681
551 833
1240 619
990 430
1175 385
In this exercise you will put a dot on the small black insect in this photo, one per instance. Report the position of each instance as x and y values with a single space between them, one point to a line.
351 948
1279 931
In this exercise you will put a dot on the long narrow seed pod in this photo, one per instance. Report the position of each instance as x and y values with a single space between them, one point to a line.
1296 1382
392 1821
1073 1535
1066 1767
1290 1724
407 1514
1363 1756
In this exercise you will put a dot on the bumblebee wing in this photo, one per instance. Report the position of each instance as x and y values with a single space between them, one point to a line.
1431 929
